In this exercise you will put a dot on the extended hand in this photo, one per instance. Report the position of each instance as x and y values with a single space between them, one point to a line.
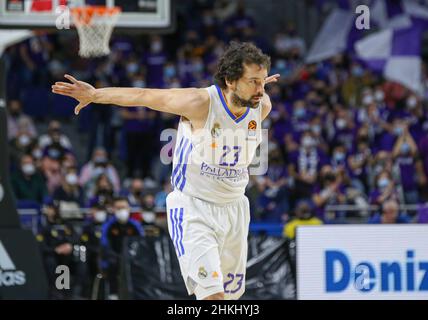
272 78
79 90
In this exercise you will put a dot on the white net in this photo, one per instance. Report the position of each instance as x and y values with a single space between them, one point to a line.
95 26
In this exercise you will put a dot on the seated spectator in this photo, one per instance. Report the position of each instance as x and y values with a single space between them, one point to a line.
390 214
51 169
55 149
54 135
103 193
27 182
56 239
114 232
69 195
22 144
135 192
304 215
16 120
148 213
99 164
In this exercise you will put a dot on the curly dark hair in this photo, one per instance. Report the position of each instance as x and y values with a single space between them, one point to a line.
231 64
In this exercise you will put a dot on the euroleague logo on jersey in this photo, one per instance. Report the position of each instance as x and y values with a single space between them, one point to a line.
252 126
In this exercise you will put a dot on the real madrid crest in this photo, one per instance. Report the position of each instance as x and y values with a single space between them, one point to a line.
202 273
216 130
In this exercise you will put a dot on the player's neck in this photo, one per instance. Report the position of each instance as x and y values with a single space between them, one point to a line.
236 110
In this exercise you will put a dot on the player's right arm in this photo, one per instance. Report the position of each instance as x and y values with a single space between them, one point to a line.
192 103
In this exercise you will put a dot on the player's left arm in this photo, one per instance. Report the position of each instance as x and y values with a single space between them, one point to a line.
266 103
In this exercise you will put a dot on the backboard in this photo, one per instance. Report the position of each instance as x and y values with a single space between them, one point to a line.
137 14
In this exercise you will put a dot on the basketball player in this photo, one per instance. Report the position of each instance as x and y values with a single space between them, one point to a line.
207 210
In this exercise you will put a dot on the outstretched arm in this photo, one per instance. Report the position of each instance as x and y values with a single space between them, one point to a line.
190 102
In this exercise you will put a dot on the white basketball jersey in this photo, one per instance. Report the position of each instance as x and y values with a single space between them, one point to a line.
212 164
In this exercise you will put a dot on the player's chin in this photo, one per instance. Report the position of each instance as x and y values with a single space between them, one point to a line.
254 103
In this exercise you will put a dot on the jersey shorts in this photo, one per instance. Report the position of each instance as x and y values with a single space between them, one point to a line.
211 243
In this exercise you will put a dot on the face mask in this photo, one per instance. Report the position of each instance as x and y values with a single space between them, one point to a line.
412 102
100 159
339 156
139 84
383 183
100 216
98 171
316 129
405 148
340 123
122 215
149 217
24 140
169 72
132 68
71 179
54 153
37 153
156 46
398 131
28 169
280 64
367 100
300 113
357 71
330 177
137 193
198 67
379 96
308 142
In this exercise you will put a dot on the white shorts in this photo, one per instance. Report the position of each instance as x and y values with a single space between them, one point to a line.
211 243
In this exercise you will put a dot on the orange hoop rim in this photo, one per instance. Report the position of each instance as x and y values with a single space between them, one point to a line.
84 14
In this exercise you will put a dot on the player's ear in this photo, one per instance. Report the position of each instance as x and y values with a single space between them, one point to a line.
230 84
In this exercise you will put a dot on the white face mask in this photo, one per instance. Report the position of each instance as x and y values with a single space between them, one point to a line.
149 217
71 179
100 216
37 153
28 169
308 142
24 140
341 123
412 102
122 215
367 99
379 96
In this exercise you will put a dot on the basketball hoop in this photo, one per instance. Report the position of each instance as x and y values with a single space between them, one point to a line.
95 25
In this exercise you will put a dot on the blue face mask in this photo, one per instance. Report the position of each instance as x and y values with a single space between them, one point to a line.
383 183
169 72
300 113
339 156
398 131
405 148
357 71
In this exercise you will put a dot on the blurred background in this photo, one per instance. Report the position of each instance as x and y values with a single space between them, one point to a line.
348 139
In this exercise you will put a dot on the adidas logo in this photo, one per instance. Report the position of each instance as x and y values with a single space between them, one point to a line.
9 276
